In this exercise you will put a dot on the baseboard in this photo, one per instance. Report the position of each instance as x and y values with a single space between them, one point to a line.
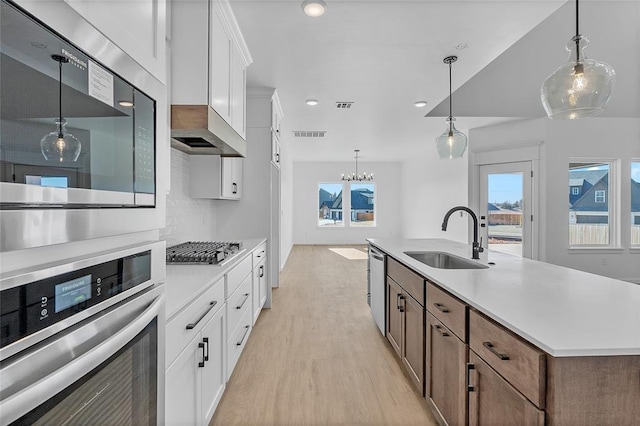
632 280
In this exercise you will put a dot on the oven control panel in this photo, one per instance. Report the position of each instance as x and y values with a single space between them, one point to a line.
34 306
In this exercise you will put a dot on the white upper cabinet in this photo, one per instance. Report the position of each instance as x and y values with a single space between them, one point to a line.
220 67
209 60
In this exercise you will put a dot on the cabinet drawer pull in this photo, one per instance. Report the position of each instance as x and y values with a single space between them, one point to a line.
441 307
192 325
205 340
489 345
401 304
246 330
235 188
398 300
246 297
470 367
261 271
201 363
443 333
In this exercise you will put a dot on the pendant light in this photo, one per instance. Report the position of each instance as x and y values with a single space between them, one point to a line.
581 87
60 145
355 175
452 142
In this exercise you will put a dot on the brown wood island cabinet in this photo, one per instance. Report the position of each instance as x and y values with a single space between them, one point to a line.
406 318
474 371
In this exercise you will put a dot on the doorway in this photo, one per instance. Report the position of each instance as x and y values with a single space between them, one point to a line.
506 208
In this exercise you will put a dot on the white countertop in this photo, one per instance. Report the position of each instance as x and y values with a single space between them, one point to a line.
186 282
563 311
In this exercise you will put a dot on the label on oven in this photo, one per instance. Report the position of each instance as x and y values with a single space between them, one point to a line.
100 83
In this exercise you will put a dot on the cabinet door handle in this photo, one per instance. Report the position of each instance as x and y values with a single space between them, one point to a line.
470 387
261 271
201 363
398 301
192 325
205 340
235 188
441 307
492 349
441 331
246 330
401 304
246 297
277 158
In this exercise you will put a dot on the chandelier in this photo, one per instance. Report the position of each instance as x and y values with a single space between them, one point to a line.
355 175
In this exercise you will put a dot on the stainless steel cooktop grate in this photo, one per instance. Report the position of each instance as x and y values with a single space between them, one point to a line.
202 252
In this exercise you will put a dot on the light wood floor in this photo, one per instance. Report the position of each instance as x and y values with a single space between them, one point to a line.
317 357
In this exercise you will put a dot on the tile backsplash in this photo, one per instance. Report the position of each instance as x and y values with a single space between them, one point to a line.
188 219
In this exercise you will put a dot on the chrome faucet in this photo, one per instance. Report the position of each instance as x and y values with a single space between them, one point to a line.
477 246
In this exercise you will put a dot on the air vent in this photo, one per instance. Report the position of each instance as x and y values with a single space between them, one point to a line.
343 105
309 133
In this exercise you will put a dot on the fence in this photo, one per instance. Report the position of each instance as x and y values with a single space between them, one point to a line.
635 234
588 233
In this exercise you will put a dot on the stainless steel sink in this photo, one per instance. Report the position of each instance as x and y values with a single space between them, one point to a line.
442 260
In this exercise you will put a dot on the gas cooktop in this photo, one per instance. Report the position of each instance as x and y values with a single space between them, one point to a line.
203 252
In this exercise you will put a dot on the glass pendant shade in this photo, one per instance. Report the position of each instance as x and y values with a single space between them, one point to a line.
60 145
580 88
452 142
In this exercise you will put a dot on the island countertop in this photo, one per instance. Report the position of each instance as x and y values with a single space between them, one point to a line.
563 311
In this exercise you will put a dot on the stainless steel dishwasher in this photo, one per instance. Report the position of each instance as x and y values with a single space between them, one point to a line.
375 287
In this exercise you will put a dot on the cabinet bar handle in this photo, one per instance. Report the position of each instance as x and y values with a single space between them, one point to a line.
201 363
246 330
401 304
261 271
443 333
470 367
235 188
192 325
441 307
398 300
246 297
489 345
205 340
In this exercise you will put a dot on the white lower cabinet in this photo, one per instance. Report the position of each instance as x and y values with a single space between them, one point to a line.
196 379
238 340
260 280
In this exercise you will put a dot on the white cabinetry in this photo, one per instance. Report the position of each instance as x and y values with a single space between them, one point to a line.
195 375
213 176
209 60
239 302
261 290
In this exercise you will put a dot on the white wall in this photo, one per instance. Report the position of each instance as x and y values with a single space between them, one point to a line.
600 138
307 175
188 219
427 193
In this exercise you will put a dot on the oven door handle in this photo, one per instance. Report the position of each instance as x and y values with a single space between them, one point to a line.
20 403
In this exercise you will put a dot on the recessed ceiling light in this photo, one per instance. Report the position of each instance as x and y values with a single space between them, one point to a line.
462 46
311 102
314 8
125 103
420 104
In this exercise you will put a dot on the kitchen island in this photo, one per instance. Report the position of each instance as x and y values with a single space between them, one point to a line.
534 343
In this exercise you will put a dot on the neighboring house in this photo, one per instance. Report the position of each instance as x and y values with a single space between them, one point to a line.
326 202
335 212
593 205
635 202
362 204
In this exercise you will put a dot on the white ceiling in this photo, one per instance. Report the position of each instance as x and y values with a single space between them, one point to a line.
384 56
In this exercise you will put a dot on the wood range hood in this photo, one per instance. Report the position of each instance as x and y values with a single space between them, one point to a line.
199 130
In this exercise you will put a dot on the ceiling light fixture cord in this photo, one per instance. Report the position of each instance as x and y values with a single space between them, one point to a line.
450 101
577 34
60 61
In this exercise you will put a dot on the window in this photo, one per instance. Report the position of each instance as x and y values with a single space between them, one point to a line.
363 204
330 212
575 191
591 222
635 203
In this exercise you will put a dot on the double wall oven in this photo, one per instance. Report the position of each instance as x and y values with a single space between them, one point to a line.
82 342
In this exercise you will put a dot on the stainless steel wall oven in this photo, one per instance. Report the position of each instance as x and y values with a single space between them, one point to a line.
83 342
77 140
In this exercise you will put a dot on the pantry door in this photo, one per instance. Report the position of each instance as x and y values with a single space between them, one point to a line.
506 208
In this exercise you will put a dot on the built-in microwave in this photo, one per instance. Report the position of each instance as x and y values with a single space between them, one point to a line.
77 138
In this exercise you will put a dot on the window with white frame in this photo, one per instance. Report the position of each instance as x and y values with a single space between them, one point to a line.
592 222
363 204
330 211
575 191
635 203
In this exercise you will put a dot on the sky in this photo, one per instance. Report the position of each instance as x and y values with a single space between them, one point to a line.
505 187
635 171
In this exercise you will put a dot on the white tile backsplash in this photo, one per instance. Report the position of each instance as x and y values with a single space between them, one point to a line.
188 219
